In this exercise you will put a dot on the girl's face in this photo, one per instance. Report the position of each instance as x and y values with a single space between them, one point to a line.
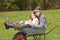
32 16
37 13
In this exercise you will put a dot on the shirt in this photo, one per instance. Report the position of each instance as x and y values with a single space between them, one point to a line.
34 21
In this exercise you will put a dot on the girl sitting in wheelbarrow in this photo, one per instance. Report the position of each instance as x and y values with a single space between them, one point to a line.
33 20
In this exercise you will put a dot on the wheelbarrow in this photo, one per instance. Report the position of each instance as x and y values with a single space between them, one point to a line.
28 32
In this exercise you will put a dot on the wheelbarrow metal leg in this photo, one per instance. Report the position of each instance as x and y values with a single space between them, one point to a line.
34 37
44 36
39 37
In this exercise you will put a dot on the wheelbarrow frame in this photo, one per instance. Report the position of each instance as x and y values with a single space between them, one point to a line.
35 36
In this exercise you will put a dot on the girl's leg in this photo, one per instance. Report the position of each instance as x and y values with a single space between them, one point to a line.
8 25
14 25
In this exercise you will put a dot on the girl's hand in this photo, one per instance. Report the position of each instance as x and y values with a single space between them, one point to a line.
30 24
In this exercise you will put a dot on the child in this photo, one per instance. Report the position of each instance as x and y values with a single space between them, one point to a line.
33 20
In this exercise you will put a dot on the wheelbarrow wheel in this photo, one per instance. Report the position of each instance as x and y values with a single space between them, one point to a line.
19 36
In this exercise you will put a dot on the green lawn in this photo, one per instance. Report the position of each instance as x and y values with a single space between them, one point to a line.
16 16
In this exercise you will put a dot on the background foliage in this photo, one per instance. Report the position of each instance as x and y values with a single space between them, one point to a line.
6 5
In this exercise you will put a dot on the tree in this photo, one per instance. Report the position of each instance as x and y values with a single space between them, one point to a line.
22 4
34 4
6 5
53 3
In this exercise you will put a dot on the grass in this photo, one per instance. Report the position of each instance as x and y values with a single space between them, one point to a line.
16 16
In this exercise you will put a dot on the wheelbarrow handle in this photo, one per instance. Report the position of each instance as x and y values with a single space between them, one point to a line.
58 24
51 22
53 28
